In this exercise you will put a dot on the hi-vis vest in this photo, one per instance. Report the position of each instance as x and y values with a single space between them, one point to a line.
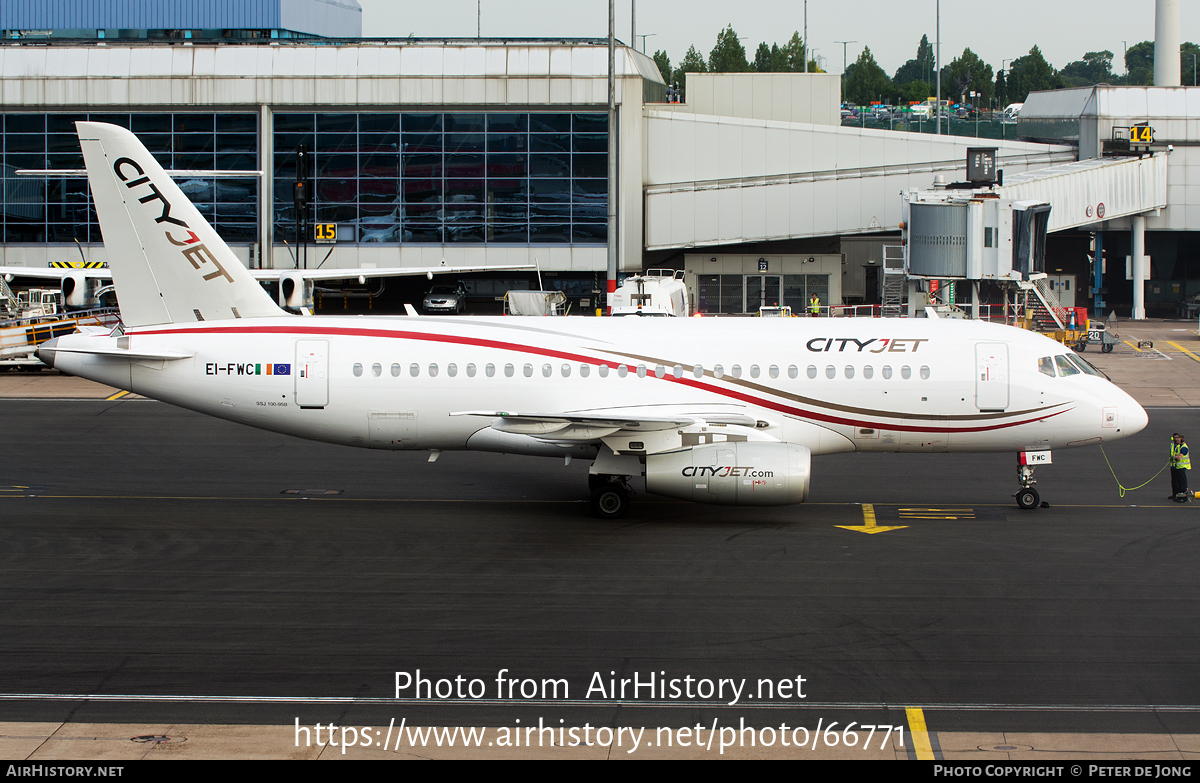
1179 456
814 305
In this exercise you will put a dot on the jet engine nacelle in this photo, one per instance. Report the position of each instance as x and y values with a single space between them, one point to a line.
733 474
75 289
295 292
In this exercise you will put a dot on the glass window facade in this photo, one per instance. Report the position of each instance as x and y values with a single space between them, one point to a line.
432 178
60 209
743 293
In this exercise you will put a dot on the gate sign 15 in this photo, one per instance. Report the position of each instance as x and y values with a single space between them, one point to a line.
325 233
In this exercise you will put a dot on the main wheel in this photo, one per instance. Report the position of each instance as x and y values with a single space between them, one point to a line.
610 501
1028 498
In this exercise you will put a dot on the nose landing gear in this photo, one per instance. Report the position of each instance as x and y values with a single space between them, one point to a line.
1027 497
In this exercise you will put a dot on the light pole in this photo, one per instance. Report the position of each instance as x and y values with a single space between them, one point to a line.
938 76
1193 56
844 45
644 37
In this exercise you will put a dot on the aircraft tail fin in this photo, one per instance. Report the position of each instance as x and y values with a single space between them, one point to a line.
168 264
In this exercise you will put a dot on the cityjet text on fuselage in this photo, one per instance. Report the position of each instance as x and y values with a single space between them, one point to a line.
878 344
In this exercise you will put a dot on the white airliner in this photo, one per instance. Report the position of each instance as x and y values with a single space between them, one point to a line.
724 411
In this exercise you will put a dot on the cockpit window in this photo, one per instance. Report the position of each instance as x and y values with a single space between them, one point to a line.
1065 367
1083 365
1046 366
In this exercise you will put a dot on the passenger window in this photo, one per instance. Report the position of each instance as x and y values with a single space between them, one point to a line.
754 371
887 372
718 371
357 370
736 372
377 369
622 370
547 371
698 371
659 371
585 370
774 371
831 372
1065 367
905 372
1046 366
566 371
849 372
470 370
509 370
414 369
677 371
812 371
395 370
924 373
868 372
490 370
528 370
452 370
603 370
793 372
433 371
641 371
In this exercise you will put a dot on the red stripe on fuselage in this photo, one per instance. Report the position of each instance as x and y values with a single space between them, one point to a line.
478 342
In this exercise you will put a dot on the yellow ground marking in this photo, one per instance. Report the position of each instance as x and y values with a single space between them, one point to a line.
936 513
868 526
118 395
1185 350
919 734
1133 346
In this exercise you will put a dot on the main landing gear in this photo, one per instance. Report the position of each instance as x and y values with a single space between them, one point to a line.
610 495
1027 497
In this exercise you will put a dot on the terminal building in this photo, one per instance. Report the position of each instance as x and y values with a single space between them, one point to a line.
483 152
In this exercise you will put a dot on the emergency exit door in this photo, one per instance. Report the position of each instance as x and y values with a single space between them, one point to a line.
312 373
991 376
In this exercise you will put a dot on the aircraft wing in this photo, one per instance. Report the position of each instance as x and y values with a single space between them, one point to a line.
56 273
596 425
362 273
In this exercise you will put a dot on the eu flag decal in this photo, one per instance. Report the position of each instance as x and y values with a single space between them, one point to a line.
282 369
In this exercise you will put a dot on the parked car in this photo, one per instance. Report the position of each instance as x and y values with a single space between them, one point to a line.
445 299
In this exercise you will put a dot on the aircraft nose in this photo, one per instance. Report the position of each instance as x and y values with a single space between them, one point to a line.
45 352
1135 418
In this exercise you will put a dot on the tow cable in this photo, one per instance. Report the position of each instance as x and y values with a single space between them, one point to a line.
1123 489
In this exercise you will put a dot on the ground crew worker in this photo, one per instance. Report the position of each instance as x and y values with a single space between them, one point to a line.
1180 464
814 306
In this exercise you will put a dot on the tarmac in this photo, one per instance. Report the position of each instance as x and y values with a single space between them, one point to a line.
1158 362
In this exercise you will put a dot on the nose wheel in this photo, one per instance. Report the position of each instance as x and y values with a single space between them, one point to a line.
1027 497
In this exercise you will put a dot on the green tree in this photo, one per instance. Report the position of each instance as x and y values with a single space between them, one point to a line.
1094 68
921 67
1030 74
866 81
693 62
664 65
1139 63
967 73
1188 67
795 51
915 92
1001 89
728 56
762 58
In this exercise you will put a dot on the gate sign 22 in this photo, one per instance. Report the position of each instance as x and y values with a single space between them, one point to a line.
325 233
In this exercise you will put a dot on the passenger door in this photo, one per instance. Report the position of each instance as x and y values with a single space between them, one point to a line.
312 373
991 376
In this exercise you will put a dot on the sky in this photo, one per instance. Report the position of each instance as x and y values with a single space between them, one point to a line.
996 31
